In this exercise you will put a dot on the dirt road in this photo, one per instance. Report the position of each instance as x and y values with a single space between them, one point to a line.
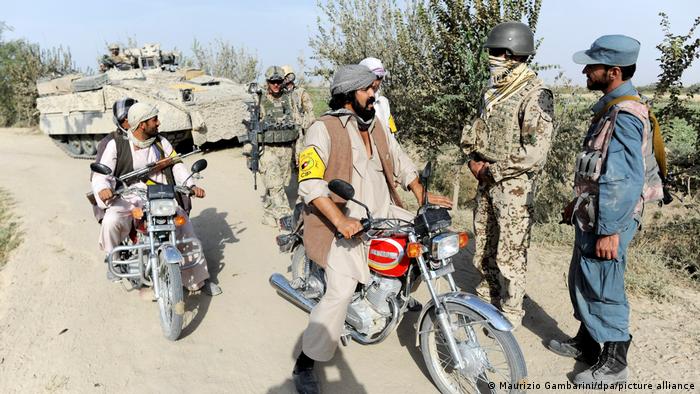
65 328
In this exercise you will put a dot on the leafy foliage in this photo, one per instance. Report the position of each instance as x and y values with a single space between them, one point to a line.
223 59
677 54
432 48
21 64
571 116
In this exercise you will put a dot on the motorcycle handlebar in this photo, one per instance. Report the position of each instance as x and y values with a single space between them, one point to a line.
366 225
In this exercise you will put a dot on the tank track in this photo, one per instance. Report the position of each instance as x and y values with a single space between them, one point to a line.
63 141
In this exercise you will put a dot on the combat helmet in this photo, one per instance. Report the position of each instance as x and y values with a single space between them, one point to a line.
113 46
513 36
274 73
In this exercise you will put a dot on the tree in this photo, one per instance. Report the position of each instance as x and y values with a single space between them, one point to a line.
432 48
677 54
21 64
223 59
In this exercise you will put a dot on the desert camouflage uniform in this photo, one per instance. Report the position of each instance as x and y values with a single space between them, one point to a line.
276 161
514 136
303 112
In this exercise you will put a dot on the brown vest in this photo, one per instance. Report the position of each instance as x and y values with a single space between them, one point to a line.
319 233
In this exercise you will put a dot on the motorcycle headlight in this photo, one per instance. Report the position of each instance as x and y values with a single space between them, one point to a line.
445 245
164 207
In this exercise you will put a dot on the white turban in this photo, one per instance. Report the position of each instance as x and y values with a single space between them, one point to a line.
375 65
140 112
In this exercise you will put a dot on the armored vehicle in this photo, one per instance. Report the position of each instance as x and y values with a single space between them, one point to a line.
76 110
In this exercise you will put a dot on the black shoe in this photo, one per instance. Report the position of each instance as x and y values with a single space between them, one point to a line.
611 366
305 381
414 305
582 347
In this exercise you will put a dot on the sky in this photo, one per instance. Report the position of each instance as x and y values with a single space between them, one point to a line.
278 31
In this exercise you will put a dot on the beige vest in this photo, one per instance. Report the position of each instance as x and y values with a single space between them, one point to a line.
319 233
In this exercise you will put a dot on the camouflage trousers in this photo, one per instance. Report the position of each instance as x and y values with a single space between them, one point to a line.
502 223
276 172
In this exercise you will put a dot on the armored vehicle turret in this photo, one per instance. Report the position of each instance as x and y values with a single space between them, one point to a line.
76 110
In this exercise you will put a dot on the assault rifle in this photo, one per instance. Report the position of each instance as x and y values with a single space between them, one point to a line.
143 174
254 134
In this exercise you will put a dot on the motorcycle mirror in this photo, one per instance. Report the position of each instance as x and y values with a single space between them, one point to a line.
100 168
199 165
342 189
424 178
427 170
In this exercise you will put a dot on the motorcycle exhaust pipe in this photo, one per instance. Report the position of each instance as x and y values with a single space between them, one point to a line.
281 284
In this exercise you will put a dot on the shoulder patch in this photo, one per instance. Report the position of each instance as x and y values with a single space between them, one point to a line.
310 165
392 124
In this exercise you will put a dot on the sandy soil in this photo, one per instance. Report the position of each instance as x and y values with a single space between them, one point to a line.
64 328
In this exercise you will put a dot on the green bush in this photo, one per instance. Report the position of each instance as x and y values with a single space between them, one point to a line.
555 184
433 49
223 59
21 64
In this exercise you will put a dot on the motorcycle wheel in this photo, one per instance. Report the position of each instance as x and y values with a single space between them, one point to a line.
170 303
493 358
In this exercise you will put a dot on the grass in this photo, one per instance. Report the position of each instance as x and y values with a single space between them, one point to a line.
10 235
319 97
663 255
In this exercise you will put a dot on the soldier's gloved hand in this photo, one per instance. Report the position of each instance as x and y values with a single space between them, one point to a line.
105 195
348 227
247 149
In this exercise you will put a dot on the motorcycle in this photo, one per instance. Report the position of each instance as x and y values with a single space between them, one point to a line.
150 256
466 343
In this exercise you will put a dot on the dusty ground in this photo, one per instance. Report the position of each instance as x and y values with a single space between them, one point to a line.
64 328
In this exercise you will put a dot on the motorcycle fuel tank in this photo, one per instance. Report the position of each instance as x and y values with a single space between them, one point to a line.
387 256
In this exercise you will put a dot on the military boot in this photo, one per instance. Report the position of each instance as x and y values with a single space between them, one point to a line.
611 366
582 347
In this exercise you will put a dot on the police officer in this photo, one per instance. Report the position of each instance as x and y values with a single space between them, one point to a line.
507 145
280 135
616 172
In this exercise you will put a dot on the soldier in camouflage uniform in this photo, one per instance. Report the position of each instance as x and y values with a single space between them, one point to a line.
114 59
280 136
303 108
507 146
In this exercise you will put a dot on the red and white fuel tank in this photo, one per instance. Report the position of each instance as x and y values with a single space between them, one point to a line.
387 256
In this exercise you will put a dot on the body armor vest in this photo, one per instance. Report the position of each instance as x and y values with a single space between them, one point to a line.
589 164
497 131
278 123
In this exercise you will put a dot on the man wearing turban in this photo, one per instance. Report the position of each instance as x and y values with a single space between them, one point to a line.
346 143
140 146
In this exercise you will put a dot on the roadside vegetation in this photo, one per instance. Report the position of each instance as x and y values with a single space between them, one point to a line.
10 235
433 50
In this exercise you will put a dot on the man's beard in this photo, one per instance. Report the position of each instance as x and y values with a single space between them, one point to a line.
365 113
595 85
